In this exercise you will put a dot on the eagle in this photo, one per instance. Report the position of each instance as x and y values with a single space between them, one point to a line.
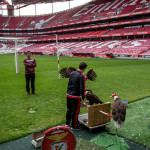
118 111
92 98
65 72
91 75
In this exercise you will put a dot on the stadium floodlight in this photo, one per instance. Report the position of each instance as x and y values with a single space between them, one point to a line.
57 55
11 45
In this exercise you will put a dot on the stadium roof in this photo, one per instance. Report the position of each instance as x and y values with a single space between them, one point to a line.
25 3
17 2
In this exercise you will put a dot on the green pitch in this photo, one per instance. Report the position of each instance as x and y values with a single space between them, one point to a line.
21 114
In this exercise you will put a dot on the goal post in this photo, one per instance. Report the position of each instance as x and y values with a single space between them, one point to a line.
12 45
58 56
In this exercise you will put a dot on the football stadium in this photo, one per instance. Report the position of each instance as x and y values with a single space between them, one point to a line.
112 37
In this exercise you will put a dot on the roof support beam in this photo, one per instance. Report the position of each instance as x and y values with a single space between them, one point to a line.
30 3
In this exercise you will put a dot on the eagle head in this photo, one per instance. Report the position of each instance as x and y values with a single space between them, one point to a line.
115 96
87 91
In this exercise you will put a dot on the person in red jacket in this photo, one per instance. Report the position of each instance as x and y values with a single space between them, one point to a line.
30 64
75 94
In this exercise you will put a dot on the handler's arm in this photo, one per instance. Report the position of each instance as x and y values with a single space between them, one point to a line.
34 63
82 87
26 64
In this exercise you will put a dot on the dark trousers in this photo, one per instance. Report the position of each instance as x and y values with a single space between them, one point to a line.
28 78
73 108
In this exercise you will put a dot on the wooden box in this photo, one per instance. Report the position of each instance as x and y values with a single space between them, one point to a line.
96 118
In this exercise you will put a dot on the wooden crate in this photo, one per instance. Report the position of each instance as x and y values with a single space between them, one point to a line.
96 118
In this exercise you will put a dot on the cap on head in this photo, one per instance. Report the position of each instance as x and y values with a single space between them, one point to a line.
114 94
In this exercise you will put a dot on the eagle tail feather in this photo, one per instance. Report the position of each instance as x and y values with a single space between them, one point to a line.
118 125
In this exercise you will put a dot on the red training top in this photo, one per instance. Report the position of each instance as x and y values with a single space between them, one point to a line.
30 64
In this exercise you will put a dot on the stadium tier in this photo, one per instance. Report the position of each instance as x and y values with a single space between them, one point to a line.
133 47
93 10
120 31
98 48
118 27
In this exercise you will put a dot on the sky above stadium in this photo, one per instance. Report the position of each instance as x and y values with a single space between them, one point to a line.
42 9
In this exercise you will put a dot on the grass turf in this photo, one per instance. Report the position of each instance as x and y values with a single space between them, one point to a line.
129 78
136 127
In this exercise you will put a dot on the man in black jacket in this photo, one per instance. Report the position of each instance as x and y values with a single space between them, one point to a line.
75 93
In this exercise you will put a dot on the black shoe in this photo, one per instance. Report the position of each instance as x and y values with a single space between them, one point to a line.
27 93
77 128
34 93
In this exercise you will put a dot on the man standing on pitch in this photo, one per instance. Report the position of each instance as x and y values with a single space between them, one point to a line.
75 91
30 64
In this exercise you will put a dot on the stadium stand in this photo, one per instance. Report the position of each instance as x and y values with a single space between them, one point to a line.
143 29
125 30
133 47
98 28
13 22
82 13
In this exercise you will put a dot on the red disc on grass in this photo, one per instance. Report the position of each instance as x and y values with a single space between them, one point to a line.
59 138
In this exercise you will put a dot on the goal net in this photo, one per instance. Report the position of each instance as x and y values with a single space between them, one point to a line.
9 45
12 45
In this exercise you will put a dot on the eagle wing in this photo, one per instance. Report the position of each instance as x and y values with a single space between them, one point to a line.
114 111
123 112
63 134
92 98
118 110
65 72
97 100
91 75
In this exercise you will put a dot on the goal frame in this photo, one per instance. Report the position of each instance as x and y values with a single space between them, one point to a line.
16 47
